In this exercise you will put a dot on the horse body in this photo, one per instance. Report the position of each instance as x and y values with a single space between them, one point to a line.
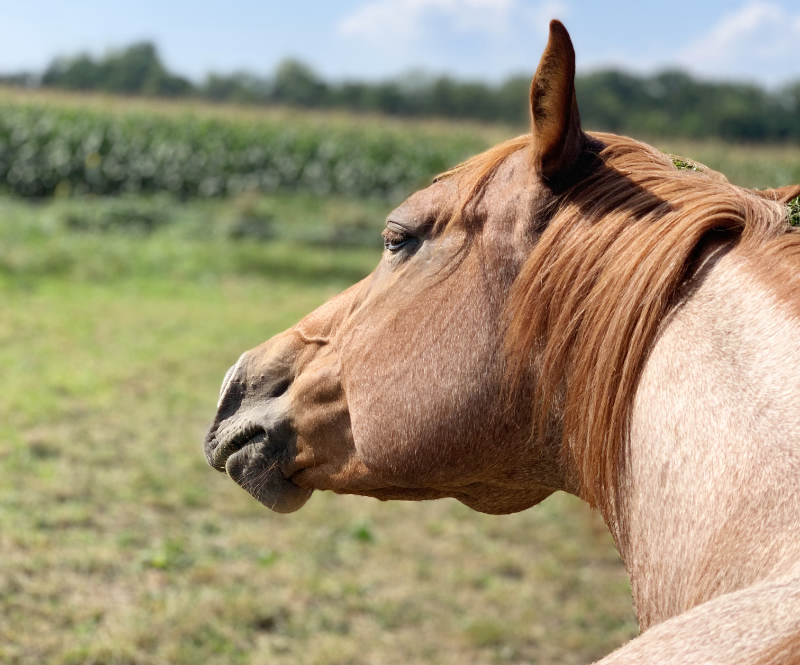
565 312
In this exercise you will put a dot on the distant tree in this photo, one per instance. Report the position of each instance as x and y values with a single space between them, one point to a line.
138 68
78 73
170 85
388 98
511 100
296 83
353 95
607 98
788 101
132 70
237 87
20 79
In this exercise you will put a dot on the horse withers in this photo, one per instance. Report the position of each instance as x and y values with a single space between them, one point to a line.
566 311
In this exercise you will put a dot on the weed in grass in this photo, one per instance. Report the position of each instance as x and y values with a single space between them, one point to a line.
363 532
267 558
487 632
170 554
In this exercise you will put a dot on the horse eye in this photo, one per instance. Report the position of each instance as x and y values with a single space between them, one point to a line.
395 240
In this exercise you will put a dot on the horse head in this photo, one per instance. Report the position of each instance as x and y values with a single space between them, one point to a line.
396 387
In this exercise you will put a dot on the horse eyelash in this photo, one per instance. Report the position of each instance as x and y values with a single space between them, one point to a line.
395 237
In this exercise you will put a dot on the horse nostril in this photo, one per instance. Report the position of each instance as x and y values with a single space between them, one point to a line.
281 388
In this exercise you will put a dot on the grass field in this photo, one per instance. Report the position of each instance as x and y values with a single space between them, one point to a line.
119 545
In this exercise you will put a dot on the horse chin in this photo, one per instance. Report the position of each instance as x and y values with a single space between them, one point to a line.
261 477
506 502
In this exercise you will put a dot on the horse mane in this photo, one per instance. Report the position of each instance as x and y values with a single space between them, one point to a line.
609 265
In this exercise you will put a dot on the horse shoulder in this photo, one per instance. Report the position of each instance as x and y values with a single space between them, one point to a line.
712 501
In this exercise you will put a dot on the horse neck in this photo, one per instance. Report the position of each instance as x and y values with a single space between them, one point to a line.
709 498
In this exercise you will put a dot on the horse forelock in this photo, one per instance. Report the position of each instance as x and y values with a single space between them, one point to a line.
617 248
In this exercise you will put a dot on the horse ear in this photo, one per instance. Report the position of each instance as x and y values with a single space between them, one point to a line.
555 121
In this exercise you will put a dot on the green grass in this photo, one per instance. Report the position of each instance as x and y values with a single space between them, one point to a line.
120 545
291 237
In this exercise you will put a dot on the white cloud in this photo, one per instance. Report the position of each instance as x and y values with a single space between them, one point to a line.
409 21
760 40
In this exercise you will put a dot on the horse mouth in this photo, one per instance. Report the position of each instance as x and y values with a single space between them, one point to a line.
252 460
220 450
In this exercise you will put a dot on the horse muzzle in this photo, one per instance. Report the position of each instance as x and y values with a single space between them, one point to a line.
252 439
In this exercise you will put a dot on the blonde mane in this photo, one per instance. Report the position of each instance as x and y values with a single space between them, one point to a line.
610 264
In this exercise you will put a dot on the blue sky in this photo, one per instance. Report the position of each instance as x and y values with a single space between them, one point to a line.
752 40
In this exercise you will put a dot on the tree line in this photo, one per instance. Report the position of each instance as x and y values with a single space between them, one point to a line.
668 103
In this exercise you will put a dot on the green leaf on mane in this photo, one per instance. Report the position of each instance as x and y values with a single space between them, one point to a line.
683 165
793 211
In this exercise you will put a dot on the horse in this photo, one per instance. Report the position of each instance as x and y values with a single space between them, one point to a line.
566 311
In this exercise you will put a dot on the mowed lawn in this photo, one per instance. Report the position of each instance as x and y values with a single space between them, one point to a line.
118 544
